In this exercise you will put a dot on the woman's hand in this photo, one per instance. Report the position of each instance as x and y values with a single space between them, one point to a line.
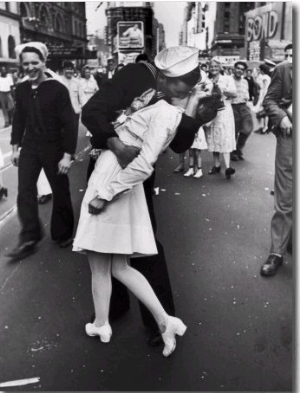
199 91
96 206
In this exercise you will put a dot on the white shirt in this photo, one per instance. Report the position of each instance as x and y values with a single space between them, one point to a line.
89 87
151 129
6 83
76 92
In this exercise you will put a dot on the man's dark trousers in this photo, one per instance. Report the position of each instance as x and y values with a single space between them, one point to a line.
243 124
33 157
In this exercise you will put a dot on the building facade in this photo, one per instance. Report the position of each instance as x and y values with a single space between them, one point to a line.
9 33
217 29
132 29
60 25
269 29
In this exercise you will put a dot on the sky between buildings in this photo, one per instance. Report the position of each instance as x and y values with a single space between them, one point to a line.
169 13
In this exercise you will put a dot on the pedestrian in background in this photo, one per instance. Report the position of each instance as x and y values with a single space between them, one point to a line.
75 90
220 132
110 70
3 190
44 110
278 106
249 78
264 82
88 84
6 95
242 113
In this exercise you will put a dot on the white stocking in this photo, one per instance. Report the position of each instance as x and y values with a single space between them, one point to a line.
100 265
139 286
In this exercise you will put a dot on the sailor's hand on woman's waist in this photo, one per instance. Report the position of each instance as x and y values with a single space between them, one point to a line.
124 153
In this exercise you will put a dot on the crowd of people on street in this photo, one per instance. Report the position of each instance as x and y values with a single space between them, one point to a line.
132 114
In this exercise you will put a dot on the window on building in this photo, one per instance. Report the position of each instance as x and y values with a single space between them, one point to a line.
7 6
23 10
44 17
59 23
11 47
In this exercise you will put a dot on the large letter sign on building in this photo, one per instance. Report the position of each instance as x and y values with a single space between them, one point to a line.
262 26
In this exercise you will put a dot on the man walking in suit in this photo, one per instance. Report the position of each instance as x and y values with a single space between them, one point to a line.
278 106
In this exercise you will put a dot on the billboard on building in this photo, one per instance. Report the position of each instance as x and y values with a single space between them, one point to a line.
130 35
268 30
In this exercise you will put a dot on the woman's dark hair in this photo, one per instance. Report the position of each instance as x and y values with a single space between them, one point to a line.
191 79
30 49
264 68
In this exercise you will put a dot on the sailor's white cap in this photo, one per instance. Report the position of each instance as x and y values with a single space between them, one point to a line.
177 60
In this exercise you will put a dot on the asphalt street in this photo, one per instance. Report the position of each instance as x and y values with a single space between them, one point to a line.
216 235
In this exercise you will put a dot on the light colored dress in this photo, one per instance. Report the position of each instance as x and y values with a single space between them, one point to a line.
200 140
124 227
264 82
220 132
89 87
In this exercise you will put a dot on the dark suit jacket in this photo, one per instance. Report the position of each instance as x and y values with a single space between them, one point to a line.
280 88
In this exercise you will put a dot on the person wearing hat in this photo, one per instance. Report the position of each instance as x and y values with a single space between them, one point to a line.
176 71
44 110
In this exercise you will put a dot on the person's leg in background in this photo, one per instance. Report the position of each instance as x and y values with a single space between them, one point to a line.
3 102
31 229
245 130
62 218
282 220
180 167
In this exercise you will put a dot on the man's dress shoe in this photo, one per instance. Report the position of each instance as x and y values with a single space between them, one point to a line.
23 250
272 264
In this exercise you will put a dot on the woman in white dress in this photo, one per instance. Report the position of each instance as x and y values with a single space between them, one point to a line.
264 81
123 228
220 132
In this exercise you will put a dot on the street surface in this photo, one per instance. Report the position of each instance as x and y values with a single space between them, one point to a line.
216 235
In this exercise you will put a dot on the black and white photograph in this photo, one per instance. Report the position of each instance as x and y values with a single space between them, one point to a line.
147 240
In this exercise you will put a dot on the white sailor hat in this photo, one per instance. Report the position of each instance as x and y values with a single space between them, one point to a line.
35 44
269 63
177 60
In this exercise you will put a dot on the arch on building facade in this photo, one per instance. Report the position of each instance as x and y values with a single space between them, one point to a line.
25 10
44 16
11 47
59 23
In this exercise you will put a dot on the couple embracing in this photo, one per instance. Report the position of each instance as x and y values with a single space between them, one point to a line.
117 221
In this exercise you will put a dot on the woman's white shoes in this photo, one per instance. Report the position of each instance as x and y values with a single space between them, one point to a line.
198 174
104 332
190 172
174 326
